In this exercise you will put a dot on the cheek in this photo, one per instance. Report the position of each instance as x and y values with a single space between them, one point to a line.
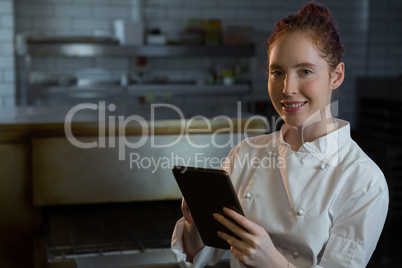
273 89
315 89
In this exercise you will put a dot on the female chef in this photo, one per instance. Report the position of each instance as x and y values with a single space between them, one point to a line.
326 205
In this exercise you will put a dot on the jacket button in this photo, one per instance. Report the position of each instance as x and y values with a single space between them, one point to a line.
323 166
300 212
295 254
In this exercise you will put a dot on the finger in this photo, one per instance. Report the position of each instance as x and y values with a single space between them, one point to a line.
238 248
186 211
232 226
250 226
239 255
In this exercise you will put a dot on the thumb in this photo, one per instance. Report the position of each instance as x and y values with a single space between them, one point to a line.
186 211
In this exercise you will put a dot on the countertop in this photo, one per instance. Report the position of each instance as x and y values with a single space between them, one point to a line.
21 123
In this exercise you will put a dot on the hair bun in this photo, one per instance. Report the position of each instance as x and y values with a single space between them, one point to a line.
316 10
317 20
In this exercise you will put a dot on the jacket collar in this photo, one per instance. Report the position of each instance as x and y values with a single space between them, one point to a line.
325 148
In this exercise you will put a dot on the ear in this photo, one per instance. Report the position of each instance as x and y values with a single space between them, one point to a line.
338 75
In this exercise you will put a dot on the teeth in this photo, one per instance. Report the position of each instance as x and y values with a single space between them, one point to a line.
293 105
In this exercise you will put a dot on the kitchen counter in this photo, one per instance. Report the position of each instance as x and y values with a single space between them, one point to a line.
78 154
21 123
40 167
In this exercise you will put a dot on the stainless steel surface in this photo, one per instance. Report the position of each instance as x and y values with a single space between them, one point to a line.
189 90
110 91
80 92
132 167
99 223
135 234
162 259
27 94
110 229
65 174
95 50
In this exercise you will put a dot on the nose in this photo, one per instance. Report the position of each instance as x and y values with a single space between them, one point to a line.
290 86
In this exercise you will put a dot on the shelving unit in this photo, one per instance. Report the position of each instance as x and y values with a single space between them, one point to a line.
110 50
27 93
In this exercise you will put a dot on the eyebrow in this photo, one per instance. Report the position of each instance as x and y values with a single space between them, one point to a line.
302 64
307 64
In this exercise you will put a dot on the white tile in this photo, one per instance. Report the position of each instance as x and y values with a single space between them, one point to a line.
6 7
183 13
163 2
111 12
91 24
34 9
201 3
8 76
7 88
47 23
7 20
218 13
6 33
6 61
8 100
151 13
47 2
93 2
23 24
74 11
237 3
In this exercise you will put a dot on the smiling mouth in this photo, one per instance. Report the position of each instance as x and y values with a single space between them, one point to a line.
293 106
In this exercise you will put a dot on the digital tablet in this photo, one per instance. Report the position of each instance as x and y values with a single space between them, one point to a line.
206 192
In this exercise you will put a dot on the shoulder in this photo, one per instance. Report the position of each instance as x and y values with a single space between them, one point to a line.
360 171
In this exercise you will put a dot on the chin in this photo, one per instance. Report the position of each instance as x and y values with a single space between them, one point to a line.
293 121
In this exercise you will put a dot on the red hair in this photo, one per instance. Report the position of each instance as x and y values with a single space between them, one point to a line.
316 20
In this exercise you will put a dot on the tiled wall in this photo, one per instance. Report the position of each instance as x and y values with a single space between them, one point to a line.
372 46
384 57
7 77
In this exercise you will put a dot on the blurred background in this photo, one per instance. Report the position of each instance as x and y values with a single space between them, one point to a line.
200 55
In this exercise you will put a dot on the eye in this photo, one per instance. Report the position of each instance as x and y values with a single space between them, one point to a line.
305 72
275 73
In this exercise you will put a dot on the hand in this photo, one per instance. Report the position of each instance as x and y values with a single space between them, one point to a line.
186 211
255 249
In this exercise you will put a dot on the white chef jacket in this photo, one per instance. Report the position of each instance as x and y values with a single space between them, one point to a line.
323 206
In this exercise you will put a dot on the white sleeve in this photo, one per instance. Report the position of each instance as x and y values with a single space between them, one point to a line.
356 230
206 256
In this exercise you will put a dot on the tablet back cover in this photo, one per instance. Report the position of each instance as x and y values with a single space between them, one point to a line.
207 191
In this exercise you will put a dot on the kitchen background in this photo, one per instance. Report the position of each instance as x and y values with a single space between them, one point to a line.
371 31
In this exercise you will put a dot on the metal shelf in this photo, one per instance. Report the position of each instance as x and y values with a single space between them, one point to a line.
27 93
112 50
142 90
188 90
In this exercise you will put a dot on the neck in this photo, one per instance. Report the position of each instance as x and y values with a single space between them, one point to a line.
296 136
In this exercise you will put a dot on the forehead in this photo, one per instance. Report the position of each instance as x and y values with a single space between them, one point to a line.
293 48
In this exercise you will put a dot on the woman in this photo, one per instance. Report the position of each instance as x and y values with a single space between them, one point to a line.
326 204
